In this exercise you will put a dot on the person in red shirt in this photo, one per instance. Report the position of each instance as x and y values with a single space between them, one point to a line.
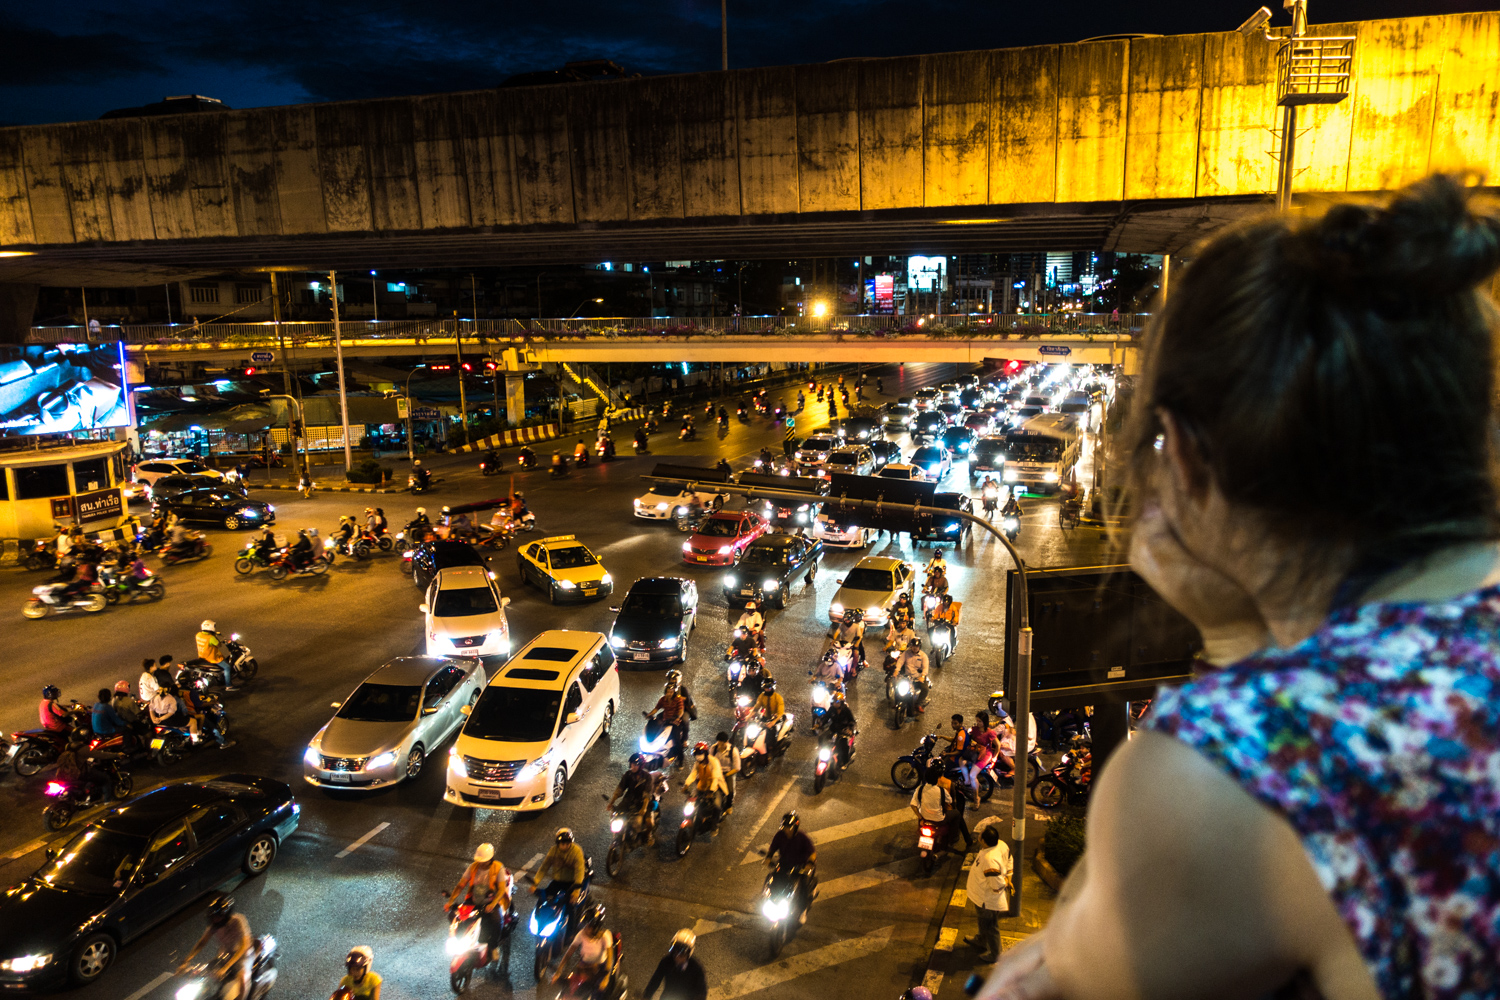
54 717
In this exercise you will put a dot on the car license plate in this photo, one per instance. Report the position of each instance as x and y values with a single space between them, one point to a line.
924 843
701 558
640 656
339 778
746 591
590 592
489 793
156 743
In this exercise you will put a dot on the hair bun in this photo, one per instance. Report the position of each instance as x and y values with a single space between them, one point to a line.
1425 244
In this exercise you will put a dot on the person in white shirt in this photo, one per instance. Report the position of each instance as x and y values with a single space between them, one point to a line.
932 801
989 890
147 682
751 620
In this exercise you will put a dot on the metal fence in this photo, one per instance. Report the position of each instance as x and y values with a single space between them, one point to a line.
485 332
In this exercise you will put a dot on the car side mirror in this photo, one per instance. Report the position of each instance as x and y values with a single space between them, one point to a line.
422 608
466 709
429 710
841 581
505 602
335 704
615 610
51 854
572 718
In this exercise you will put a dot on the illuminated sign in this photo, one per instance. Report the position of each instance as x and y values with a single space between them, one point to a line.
927 274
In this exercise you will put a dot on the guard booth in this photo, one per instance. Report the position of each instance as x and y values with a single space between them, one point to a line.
79 484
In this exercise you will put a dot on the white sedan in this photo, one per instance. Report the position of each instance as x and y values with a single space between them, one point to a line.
466 614
661 501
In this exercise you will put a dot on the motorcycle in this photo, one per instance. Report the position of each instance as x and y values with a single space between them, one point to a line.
282 567
688 433
658 739
354 546
251 559
843 656
526 458
418 484
763 746
118 586
835 751
381 541
1070 781
1010 526
699 815
71 796
910 769
49 598
195 548
490 466
783 906
905 697
605 449
549 923
822 701
173 743
43 554
466 954
743 675
33 749
626 833
641 444
199 982
933 839
942 638
581 457
560 468
929 605
242 664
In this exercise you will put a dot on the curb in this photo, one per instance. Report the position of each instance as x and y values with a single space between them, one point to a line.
509 439
942 950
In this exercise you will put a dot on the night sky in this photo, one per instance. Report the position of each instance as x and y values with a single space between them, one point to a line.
73 61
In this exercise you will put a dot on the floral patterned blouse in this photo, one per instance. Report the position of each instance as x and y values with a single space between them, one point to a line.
1378 738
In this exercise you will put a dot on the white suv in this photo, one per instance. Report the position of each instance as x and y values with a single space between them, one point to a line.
528 732
466 614
152 469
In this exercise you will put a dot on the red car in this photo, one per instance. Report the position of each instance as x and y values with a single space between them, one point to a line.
721 538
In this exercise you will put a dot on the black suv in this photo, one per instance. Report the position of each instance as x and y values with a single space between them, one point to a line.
929 424
218 504
770 567
653 622
429 557
946 528
860 429
958 440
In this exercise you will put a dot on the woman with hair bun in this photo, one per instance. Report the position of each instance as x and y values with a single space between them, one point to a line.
1317 813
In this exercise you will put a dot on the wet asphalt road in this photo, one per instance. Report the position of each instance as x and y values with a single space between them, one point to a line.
317 637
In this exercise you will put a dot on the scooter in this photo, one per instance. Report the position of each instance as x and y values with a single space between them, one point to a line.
549 923
762 746
688 433
281 565
466 954
196 548
199 982
933 839
835 751
373 541
242 664
699 815
43 554
491 467
905 697
48 598
626 833
658 739
33 749
581 458
783 906
173 743
526 458
560 468
942 638
1010 526
71 796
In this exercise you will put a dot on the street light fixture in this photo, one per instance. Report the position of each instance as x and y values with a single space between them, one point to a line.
411 454
582 304
819 309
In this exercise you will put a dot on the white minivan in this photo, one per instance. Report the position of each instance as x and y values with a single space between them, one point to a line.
528 732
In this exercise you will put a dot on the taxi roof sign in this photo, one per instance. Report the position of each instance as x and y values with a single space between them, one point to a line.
559 538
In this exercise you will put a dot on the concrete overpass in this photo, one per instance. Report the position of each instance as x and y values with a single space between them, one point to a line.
1132 145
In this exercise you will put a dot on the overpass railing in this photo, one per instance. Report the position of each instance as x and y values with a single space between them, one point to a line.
504 332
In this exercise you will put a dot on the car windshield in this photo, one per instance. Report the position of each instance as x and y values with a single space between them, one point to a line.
927 456
191 467
720 527
865 578
464 601
572 557
652 605
819 444
900 411
764 555
456 555
382 703
660 490
96 861
1032 448
514 715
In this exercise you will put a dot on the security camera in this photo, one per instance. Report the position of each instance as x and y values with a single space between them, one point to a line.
1256 23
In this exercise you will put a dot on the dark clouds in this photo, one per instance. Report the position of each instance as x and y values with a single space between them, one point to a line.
77 61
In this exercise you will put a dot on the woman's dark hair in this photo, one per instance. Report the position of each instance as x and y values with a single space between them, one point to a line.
1336 375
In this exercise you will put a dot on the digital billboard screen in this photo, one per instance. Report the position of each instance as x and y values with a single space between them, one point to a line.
59 388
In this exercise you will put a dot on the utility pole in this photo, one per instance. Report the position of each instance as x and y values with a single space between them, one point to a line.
374 297
463 404
338 348
286 375
724 33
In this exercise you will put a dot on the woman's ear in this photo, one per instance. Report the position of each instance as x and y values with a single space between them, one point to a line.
1184 467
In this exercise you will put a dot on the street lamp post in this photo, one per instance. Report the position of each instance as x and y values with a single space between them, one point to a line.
292 426
410 452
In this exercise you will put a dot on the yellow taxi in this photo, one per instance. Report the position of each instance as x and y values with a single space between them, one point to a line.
564 567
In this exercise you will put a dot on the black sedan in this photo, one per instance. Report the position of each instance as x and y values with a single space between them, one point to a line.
861 429
167 487
959 441
653 622
219 505
929 425
133 868
885 452
429 557
771 567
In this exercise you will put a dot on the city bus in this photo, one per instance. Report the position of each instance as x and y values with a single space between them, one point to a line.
1042 453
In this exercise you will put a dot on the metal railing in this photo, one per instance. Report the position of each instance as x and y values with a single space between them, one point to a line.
503 332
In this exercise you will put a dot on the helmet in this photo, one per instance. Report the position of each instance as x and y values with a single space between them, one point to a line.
635 758
594 916
484 853
360 955
851 616
51 691
669 688
208 625
346 517
445 510
917 993
915 642
421 511
791 821
369 510
122 687
220 909
752 605
768 684
682 943
674 677
700 749
520 495
417 462
564 835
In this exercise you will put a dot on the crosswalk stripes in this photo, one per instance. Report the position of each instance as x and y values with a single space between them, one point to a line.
802 964
832 889
842 831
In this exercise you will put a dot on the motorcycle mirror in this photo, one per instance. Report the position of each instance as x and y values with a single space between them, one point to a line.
465 710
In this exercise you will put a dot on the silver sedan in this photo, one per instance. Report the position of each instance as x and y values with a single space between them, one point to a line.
388 725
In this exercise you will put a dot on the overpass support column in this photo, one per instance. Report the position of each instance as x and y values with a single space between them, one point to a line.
17 307
515 399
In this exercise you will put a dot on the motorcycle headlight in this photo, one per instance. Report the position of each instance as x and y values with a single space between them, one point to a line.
456 945
743 701
689 807
776 909
903 687
616 825
381 760
752 732
824 754
191 991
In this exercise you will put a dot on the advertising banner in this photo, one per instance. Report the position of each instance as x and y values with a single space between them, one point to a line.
60 388
884 298
100 506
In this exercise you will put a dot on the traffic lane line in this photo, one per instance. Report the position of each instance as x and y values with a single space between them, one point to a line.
807 962
764 815
145 990
843 831
361 842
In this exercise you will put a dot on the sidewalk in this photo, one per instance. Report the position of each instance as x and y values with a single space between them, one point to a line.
952 960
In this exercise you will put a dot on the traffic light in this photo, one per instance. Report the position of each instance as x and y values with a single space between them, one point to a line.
490 366
440 368
296 428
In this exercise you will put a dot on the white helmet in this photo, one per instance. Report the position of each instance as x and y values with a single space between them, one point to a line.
421 510
208 625
484 853
683 942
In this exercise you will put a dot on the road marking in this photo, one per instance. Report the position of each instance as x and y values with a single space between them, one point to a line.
361 842
801 965
933 981
851 829
703 927
855 883
27 848
960 897
945 940
765 815
150 986
532 863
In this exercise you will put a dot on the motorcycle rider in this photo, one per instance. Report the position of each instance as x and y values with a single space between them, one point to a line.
671 710
707 780
360 982
424 477
126 706
580 453
302 551
640 439
792 850
674 677
948 610
265 544
770 702
147 682
903 613
634 793
104 720
767 460
181 540
486 883
752 621
679 974
54 717
840 721
595 948
375 522
723 466
165 710
986 743
1012 508
568 870
990 490
526 456
898 637
344 535
850 631
192 704
211 650
76 768
729 765
230 932
491 458
912 665
933 801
